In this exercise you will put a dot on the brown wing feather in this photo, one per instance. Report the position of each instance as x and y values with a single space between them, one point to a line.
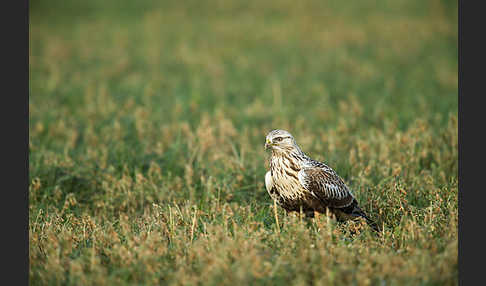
326 186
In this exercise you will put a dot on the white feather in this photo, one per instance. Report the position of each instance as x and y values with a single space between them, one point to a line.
302 180
301 175
268 181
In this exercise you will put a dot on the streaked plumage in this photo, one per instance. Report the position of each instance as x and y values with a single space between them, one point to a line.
298 182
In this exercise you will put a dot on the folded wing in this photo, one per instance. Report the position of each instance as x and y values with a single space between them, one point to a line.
325 185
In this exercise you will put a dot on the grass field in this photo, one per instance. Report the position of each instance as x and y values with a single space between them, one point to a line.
147 126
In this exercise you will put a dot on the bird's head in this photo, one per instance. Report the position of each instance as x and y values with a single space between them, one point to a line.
280 140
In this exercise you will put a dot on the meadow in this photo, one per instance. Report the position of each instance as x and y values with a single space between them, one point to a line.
147 123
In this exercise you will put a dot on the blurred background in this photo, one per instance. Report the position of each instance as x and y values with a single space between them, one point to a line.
252 60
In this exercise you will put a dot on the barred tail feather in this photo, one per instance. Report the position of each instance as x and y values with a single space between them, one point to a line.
355 211
370 222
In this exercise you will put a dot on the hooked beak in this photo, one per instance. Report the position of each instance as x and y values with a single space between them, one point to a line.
268 144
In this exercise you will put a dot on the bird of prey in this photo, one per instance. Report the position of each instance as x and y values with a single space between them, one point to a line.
298 183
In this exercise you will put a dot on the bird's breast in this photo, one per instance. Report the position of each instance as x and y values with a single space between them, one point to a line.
285 178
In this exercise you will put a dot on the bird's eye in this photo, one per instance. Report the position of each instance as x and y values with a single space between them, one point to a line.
278 139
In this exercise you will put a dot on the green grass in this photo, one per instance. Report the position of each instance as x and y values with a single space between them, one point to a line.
147 125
